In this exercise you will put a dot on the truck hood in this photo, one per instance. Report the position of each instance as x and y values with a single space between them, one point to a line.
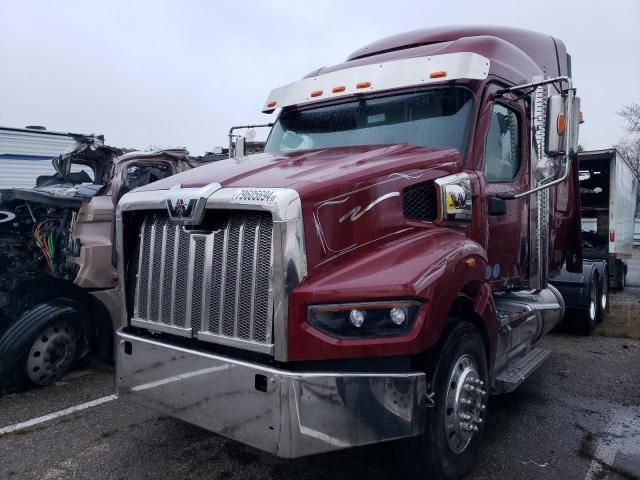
306 170
352 198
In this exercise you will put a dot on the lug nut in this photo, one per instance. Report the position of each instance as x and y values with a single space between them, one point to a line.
483 407
469 388
465 416
474 428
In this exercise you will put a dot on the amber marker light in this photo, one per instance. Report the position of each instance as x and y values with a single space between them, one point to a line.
360 85
438 74
316 93
339 89
561 124
271 104
470 262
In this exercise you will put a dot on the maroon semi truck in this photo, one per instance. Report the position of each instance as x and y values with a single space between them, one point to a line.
380 269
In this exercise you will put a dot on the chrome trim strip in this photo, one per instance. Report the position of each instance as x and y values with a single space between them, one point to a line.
174 278
161 327
206 286
223 279
236 316
254 279
152 238
165 228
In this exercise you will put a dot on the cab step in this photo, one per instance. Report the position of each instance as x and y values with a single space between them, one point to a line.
511 379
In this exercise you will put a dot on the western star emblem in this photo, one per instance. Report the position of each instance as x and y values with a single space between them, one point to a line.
180 209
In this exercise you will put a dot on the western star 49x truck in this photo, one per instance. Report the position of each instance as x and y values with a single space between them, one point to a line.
380 270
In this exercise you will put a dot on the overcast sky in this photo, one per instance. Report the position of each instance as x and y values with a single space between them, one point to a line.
180 73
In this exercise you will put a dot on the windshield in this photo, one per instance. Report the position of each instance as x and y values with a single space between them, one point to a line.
434 118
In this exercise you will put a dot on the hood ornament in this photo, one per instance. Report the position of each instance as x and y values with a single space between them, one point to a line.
186 206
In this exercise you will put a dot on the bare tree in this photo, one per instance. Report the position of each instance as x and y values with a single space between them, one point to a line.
629 145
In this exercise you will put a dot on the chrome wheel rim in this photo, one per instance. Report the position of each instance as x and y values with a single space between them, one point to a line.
593 301
51 353
465 407
604 293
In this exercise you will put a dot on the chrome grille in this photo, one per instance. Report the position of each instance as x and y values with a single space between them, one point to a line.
213 282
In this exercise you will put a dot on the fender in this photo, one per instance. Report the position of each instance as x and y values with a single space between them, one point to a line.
432 266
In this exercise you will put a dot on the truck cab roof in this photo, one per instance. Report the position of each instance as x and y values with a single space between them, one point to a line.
515 55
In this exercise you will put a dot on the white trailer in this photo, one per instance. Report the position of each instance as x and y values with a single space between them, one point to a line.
26 153
608 195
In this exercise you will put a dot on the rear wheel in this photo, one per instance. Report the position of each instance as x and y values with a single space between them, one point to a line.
584 320
449 445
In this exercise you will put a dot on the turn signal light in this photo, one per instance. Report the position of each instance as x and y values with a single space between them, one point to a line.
438 74
316 93
561 124
612 235
363 85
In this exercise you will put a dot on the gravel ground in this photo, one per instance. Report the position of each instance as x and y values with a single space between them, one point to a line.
583 403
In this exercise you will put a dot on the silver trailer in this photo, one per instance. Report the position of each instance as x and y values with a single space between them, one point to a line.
608 193
26 153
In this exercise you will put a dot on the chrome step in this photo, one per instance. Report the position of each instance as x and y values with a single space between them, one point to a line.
511 378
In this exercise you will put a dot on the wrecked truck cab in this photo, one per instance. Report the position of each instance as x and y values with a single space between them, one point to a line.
58 285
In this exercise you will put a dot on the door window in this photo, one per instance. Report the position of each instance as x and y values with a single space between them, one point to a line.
502 149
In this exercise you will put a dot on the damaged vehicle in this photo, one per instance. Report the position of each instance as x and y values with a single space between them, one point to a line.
58 282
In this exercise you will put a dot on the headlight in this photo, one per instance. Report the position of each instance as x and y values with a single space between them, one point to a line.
364 320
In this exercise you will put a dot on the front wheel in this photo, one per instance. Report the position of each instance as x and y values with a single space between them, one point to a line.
449 445
40 346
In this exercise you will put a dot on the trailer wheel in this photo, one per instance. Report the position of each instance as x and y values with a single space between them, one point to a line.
454 424
40 346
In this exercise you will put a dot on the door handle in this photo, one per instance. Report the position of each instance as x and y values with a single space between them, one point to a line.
497 206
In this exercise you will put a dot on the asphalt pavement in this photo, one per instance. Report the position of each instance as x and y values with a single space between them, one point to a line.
577 417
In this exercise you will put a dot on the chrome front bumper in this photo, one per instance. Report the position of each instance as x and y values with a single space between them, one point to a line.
288 414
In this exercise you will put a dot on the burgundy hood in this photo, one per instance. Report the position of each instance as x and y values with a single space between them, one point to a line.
329 166
351 197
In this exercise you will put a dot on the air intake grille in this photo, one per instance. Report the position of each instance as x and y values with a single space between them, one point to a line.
212 282
419 202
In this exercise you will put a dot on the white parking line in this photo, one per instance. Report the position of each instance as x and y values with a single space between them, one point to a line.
607 448
60 413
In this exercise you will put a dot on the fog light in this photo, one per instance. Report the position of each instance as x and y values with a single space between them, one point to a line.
357 318
398 315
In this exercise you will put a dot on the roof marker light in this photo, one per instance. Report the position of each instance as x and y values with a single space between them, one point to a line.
338 89
438 74
271 104
360 85
316 93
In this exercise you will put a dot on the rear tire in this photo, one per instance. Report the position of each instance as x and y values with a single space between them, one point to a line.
448 448
584 320
41 345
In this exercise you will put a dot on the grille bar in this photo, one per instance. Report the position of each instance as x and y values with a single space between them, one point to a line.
212 284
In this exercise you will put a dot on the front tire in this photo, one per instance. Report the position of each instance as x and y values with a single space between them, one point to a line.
448 447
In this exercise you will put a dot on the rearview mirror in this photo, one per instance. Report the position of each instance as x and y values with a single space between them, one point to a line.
558 127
